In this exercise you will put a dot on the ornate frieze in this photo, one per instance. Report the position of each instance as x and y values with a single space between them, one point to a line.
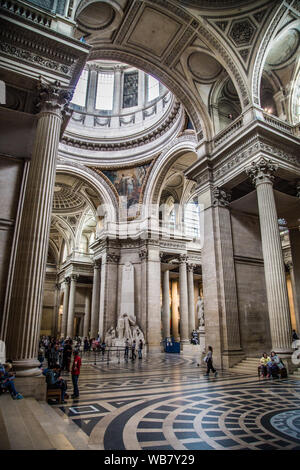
143 254
262 171
112 258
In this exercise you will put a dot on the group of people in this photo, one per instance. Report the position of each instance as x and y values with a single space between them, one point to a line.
133 349
271 366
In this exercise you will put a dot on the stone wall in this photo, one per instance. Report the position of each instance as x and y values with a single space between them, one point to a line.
250 279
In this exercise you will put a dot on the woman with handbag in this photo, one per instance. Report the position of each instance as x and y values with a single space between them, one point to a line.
209 362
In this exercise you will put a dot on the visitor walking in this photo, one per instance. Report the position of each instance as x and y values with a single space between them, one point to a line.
75 373
126 352
140 349
209 362
133 346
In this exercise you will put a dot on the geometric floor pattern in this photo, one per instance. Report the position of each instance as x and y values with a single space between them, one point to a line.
164 402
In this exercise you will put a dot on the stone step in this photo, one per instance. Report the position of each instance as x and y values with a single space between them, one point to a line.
50 424
24 432
4 440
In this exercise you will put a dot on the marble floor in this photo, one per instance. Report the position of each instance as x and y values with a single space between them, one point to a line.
164 402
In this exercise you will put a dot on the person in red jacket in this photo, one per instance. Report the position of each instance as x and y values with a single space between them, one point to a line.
75 373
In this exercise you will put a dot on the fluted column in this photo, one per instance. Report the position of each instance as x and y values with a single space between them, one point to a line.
117 103
87 313
166 304
56 308
64 321
21 327
262 175
109 292
191 295
174 318
71 309
184 308
95 300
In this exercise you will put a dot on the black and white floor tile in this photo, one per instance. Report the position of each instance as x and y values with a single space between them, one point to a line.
166 403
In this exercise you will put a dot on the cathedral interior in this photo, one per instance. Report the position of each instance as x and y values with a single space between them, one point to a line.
150 193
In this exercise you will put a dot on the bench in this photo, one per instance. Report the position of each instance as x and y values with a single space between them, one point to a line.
54 393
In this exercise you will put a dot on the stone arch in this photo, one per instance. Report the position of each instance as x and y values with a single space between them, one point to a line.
99 184
264 48
160 169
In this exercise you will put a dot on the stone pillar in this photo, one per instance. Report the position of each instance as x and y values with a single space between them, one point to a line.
64 321
143 257
231 340
184 308
92 89
109 293
71 309
95 300
153 297
56 309
175 329
87 313
21 327
117 102
191 296
166 304
294 235
262 175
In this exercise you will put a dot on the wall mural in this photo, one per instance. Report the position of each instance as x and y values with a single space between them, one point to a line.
128 183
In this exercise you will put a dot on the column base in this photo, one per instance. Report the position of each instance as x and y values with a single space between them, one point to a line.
231 358
27 368
192 350
32 387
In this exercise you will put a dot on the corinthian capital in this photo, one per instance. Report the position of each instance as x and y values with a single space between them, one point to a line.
53 97
221 197
262 171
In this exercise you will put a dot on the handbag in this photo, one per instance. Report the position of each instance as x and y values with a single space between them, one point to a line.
205 359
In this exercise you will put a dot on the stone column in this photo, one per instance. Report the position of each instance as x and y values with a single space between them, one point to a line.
294 235
153 297
56 309
184 308
71 309
175 329
22 326
192 325
64 321
231 340
95 300
108 295
92 89
262 175
117 102
87 313
166 304
144 257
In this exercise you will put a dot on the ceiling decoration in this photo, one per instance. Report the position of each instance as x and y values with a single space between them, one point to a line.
204 67
65 198
284 48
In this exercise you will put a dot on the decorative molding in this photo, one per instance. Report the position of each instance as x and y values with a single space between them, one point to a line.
112 258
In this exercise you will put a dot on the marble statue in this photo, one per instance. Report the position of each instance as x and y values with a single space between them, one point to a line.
126 329
200 311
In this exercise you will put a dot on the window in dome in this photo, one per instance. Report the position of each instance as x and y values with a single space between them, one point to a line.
191 220
79 96
105 91
153 88
130 92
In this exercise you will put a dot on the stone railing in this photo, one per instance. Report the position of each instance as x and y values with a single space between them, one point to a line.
27 12
278 123
115 121
235 126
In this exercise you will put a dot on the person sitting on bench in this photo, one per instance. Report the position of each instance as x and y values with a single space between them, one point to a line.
263 367
54 380
274 365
